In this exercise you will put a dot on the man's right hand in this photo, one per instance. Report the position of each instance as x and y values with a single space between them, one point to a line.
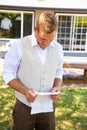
31 95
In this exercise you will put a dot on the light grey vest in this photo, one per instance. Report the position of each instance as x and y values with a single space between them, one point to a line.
32 73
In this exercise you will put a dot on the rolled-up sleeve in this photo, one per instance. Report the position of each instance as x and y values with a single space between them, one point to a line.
12 61
59 72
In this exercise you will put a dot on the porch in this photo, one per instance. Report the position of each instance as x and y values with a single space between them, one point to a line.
75 69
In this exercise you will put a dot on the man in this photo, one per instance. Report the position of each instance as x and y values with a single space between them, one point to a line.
33 67
6 26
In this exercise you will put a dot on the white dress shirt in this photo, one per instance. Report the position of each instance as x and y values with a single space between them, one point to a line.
11 65
14 55
6 23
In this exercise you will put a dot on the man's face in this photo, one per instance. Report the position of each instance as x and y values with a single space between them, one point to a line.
44 38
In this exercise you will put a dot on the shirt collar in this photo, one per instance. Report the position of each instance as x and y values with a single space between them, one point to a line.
34 41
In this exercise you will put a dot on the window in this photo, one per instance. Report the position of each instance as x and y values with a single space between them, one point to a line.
27 24
72 32
14 25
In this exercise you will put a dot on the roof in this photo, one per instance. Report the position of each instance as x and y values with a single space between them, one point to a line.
56 4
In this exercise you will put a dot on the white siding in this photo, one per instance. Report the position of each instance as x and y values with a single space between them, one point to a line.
61 4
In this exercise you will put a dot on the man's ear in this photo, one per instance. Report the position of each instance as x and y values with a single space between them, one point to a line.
35 29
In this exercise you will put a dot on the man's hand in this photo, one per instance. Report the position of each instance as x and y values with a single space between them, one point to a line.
56 96
31 95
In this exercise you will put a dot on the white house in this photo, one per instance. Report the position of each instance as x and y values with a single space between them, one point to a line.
71 16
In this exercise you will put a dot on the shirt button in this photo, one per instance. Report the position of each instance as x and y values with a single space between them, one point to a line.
42 86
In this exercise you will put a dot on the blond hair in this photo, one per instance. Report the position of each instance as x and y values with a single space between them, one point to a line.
47 22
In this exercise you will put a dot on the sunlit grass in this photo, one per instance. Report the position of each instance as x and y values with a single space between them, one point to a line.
70 112
7 101
71 109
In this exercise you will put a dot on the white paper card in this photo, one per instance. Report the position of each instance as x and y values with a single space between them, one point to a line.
48 93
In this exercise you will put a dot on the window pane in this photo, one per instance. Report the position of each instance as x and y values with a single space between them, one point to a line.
80 33
17 26
27 24
64 28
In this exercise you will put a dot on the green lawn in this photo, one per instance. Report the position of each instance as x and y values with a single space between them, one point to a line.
71 108
7 101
